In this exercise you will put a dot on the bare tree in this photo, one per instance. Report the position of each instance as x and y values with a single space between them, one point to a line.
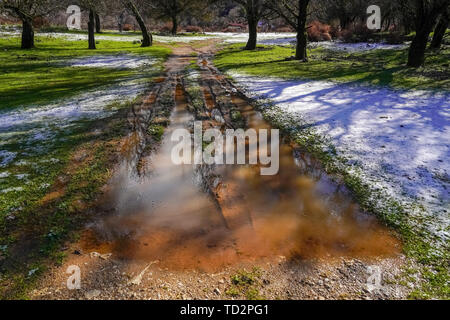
94 7
347 11
27 11
439 31
295 13
255 10
427 12
98 25
147 37
172 9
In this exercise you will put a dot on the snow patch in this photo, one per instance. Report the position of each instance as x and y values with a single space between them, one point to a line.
355 47
8 190
4 174
265 38
35 127
401 139
22 176
114 62
89 105
6 157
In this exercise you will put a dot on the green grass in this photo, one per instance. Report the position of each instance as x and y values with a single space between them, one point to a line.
47 224
430 254
48 190
246 284
378 67
156 131
39 76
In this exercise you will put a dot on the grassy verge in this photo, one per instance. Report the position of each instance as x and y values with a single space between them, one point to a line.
54 184
432 260
116 33
377 67
429 276
245 285
40 76
56 199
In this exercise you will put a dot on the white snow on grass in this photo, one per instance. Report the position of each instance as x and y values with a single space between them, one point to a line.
124 38
264 38
15 189
355 47
287 39
400 139
124 61
117 38
4 174
89 105
84 37
6 157
37 127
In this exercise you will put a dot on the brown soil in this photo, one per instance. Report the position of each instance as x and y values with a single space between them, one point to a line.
192 247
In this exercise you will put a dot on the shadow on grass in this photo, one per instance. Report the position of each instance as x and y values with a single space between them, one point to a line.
378 67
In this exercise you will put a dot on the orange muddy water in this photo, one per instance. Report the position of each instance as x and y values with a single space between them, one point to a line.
299 213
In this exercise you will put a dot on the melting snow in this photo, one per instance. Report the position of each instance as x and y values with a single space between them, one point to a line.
401 138
6 157
22 176
33 127
89 105
4 174
356 47
112 61
17 189
266 38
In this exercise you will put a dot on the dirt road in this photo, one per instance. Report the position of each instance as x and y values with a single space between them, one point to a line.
221 232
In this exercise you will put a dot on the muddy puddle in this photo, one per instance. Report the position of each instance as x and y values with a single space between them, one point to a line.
242 216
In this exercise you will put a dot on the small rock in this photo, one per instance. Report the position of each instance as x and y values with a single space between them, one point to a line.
105 256
32 272
101 256
94 255
217 291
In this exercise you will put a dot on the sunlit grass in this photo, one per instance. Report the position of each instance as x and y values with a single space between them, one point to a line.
378 67
31 201
40 76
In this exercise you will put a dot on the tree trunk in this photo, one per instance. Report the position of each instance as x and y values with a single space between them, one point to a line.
120 21
91 30
252 32
147 37
174 25
302 37
439 32
98 26
344 20
302 42
424 25
27 34
416 56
